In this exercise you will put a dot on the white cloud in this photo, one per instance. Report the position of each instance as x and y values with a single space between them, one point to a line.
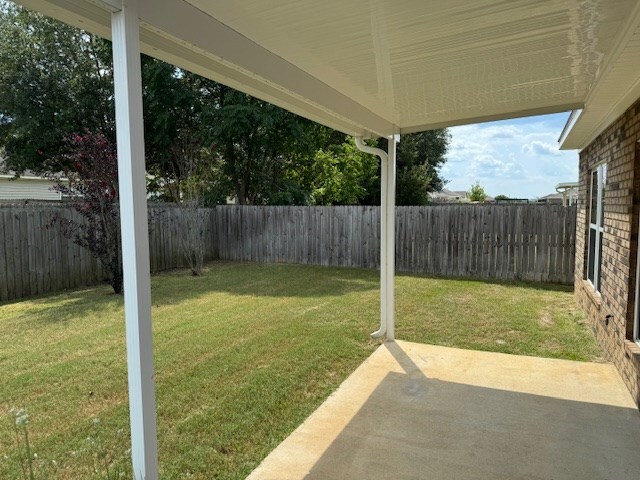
491 167
537 147
519 158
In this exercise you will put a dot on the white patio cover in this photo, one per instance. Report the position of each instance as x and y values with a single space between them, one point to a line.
399 66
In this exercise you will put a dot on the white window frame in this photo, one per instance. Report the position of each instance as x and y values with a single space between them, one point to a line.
598 227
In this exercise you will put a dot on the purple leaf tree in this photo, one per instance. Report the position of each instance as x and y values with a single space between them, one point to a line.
93 186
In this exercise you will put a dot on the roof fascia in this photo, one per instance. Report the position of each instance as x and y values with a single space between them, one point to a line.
494 117
579 137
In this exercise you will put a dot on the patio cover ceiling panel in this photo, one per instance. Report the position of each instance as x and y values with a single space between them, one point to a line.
425 63
398 66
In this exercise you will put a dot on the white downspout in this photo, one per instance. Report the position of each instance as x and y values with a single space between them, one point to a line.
387 234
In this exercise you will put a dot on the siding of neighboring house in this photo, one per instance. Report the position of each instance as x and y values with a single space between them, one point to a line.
27 189
611 313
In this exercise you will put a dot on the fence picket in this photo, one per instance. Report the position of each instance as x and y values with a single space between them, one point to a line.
484 241
530 242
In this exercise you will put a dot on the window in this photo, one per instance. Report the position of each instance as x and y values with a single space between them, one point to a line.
596 224
636 323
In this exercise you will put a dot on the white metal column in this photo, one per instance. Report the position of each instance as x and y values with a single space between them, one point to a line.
388 212
135 239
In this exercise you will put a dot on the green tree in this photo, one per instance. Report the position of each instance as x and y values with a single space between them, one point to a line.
179 156
258 142
477 193
55 80
337 175
420 157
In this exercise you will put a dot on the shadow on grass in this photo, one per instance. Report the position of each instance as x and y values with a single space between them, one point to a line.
263 280
60 307
550 287
238 279
178 286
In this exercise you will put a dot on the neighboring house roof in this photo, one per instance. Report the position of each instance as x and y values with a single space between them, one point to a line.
567 191
459 193
26 175
551 198
446 194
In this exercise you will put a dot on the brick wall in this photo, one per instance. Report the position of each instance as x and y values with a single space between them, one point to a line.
611 314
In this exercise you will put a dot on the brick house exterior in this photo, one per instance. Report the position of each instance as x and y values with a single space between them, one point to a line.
611 312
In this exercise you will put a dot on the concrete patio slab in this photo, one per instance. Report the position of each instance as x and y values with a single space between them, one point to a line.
414 411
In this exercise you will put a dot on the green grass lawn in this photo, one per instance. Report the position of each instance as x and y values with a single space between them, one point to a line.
242 355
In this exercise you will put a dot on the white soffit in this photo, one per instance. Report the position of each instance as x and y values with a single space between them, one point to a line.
389 66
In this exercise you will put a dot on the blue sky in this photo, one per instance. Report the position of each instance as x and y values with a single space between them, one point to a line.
519 158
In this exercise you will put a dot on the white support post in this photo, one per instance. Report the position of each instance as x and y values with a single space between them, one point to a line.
384 262
135 239
388 232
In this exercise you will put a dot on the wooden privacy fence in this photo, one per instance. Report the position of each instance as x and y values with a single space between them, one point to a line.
36 258
346 236
528 242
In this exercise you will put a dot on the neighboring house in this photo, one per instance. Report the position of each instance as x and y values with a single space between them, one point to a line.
449 196
551 199
606 274
568 192
454 196
31 186
28 186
